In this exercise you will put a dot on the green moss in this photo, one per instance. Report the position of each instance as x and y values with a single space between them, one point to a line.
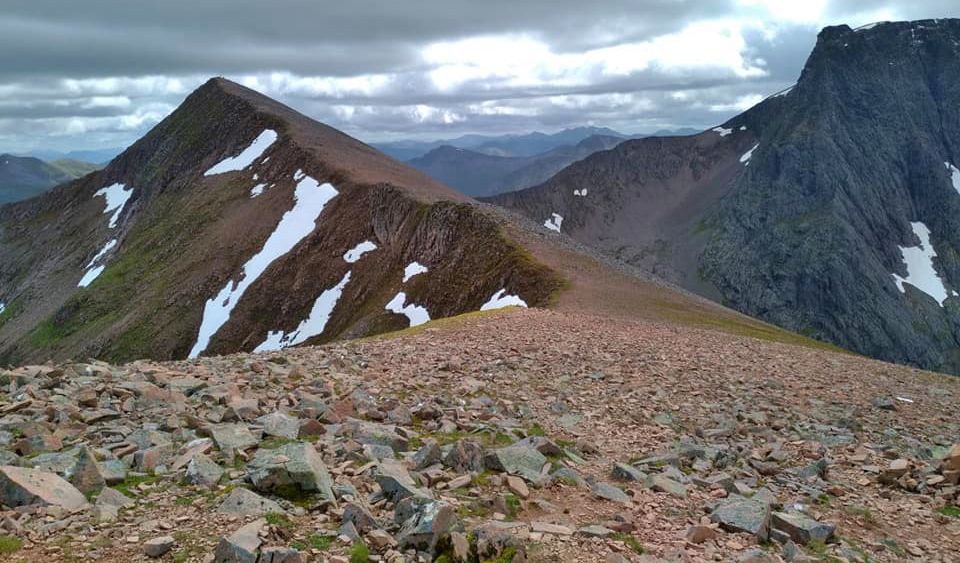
506 556
951 511
296 495
47 334
632 542
513 506
129 485
274 442
359 553
10 544
279 520
536 430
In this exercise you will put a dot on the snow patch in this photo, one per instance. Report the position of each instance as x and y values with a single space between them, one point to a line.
904 400
723 132
91 275
92 272
247 157
2 308
554 222
920 271
954 175
743 127
117 197
580 193
313 325
257 190
415 313
413 269
500 300
783 92
745 159
358 251
310 197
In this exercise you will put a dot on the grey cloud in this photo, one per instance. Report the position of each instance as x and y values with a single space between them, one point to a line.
55 61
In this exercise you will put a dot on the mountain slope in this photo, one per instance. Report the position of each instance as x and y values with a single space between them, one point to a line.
803 210
478 174
25 177
238 224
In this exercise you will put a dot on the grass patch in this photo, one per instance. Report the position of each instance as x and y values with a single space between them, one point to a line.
133 481
513 506
506 556
632 542
864 513
536 430
359 553
10 544
951 511
319 542
278 520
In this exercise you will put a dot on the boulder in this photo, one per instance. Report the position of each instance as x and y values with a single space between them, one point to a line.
158 547
232 436
86 475
433 522
465 455
279 425
801 528
242 546
524 461
248 503
296 465
21 486
203 471
740 514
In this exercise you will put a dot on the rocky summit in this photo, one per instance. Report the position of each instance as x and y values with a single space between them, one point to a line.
524 435
829 209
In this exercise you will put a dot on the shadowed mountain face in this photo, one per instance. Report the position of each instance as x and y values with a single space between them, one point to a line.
25 177
832 209
477 174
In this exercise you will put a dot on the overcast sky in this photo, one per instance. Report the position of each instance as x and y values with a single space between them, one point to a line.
102 72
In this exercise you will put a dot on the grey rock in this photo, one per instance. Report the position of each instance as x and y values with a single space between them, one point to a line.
524 461
664 484
248 503
801 528
465 455
203 471
609 492
20 486
424 530
296 464
739 514
281 555
428 454
377 434
360 517
158 547
242 546
280 425
624 472
232 436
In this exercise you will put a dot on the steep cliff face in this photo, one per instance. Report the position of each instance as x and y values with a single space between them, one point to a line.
238 224
831 209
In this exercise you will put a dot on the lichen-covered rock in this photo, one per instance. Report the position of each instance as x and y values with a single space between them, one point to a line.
295 465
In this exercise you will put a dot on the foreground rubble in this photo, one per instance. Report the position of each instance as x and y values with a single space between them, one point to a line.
518 436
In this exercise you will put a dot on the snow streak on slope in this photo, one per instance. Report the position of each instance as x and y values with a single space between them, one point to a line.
247 157
413 269
723 132
416 314
313 325
954 175
117 196
93 273
358 251
310 198
745 159
2 308
554 222
920 271
500 300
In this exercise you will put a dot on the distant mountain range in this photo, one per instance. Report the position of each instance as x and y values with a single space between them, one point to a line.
479 174
96 156
25 177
